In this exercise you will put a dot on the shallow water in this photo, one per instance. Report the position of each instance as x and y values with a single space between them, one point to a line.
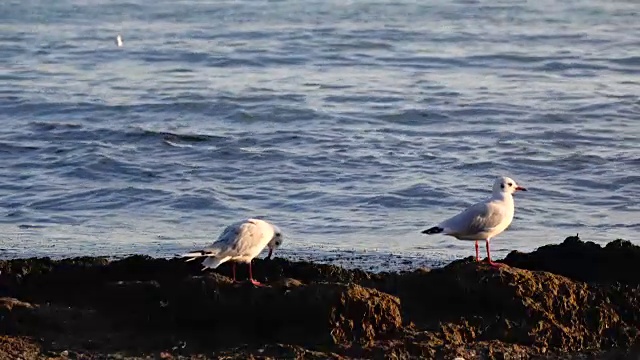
351 124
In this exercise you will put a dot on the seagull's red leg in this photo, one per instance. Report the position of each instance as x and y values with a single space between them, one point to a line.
233 270
477 251
494 264
254 282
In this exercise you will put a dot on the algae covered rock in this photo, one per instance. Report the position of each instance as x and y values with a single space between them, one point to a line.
473 302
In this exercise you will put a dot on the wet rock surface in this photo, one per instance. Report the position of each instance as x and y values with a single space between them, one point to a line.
571 300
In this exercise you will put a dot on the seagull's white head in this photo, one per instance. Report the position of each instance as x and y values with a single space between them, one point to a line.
507 185
276 240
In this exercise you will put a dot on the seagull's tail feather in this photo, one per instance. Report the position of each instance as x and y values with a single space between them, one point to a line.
433 230
200 253
214 262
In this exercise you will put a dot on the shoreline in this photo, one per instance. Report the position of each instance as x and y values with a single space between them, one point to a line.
566 300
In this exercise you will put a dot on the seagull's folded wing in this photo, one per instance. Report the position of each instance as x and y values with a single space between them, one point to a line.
241 239
479 218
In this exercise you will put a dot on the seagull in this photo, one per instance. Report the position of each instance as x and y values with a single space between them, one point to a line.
240 242
119 40
483 220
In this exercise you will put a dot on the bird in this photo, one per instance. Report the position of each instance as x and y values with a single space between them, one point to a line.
240 242
483 220
119 40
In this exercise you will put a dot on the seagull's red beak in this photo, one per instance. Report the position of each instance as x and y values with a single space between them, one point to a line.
520 188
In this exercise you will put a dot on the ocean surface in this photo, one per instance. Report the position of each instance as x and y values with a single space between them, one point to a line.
353 125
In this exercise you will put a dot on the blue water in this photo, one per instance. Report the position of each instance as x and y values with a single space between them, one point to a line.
351 124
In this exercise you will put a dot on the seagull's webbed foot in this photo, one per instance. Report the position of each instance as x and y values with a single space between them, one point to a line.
493 264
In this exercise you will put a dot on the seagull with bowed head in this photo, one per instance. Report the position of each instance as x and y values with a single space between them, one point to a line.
240 242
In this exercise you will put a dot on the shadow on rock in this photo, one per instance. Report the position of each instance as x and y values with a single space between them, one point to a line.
226 313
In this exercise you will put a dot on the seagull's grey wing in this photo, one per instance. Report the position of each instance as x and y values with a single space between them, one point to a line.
227 238
478 218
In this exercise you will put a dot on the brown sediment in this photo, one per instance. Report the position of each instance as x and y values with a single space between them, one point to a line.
572 300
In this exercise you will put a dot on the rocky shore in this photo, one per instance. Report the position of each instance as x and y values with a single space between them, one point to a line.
572 300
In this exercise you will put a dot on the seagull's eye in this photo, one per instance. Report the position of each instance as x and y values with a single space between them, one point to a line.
502 186
510 184
278 243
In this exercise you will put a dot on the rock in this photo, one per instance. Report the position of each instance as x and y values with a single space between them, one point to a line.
14 314
7 304
618 261
478 303
18 347
237 313
573 298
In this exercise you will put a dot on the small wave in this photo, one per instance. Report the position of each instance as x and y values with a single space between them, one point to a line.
12 147
29 226
52 126
168 136
554 66
630 60
99 199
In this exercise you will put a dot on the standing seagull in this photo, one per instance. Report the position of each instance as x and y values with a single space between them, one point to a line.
240 242
484 220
